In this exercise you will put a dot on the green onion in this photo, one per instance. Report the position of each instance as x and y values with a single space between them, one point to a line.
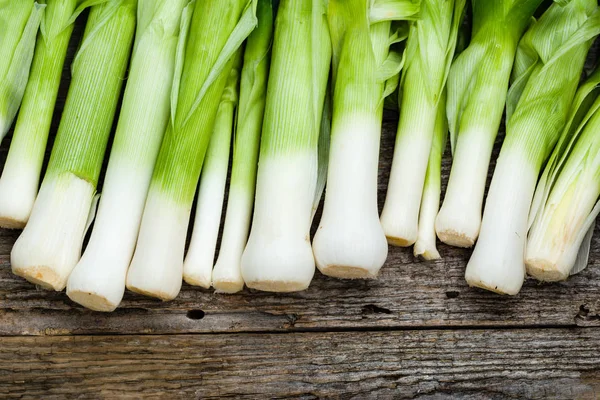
198 264
98 280
205 58
566 204
20 20
350 242
227 273
425 246
430 50
477 87
278 256
548 68
50 245
21 175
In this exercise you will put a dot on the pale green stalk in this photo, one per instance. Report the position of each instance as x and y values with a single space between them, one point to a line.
216 30
477 87
425 246
278 256
98 280
21 175
227 274
430 49
198 264
50 246
550 60
566 203
19 23
350 242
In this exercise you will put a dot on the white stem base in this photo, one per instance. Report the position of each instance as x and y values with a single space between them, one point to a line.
98 280
157 266
278 256
459 219
227 272
18 190
426 245
50 246
350 242
497 263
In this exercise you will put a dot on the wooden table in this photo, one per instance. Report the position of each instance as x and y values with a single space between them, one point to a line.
416 332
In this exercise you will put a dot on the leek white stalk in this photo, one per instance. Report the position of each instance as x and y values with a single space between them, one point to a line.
21 174
278 256
566 200
430 49
548 67
227 273
20 21
50 245
198 264
477 87
425 246
98 280
216 30
350 242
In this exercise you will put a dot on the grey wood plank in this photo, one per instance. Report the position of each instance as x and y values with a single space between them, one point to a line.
436 364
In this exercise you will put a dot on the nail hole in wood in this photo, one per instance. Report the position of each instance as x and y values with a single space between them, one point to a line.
195 314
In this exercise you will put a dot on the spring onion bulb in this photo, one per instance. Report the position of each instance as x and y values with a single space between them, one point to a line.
50 245
98 280
198 264
566 199
227 273
430 50
205 58
278 256
477 87
21 175
548 66
425 246
20 21
350 242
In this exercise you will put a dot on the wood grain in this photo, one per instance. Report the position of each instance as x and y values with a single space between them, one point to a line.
434 364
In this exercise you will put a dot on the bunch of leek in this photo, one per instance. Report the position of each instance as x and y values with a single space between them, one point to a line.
566 204
430 50
20 21
50 246
477 87
98 280
227 273
278 255
198 264
21 175
548 68
205 58
350 242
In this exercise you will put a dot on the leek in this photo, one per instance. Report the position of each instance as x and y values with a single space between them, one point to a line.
350 242
19 21
425 246
566 199
216 31
198 264
227 274
278 256
477 87
430 50
21 175
548 67
98 280
50 245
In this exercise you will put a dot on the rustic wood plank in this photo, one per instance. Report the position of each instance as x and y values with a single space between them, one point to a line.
473 364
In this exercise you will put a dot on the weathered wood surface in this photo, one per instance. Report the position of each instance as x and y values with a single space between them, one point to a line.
435 364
